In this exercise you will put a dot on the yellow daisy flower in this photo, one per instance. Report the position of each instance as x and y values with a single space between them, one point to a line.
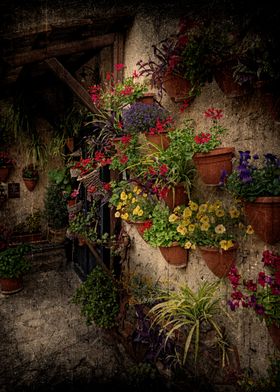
188 245
187 213
125 216
136 210
204 219
225 245
140 212
129 195
233 212
217 204
117 214
119 206
193 247
133 200
204 227
191 228
220 229
182 229
193 206
203 208
249 230
219 212
173 218
123 196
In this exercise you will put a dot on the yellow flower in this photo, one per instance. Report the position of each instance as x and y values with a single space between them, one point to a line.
123 196
204 227
187 213
217 204
233 212
176 209
188 245
125 216
129 195
219 212
225 245
191 228
193 247
249 230
145 195
203 208
211 208
173 218
193 206
182 229
220 229
204 219
136 210
140 212
119 206
117 214
133 200
186 222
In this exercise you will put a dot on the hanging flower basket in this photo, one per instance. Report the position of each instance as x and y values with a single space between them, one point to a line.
212 164
176 196
219 261
176 87
161 140
175 255
263 215
30 183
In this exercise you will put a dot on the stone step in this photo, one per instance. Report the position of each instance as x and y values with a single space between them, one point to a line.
46 257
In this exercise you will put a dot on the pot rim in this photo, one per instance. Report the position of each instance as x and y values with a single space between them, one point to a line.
264 200
216 151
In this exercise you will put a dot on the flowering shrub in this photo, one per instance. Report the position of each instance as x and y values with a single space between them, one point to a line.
206 140
209 224
85 165
262 294
112 96
131 201
140 117
254 176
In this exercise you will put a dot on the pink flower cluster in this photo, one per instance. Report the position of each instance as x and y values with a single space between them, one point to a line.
161 126
202 138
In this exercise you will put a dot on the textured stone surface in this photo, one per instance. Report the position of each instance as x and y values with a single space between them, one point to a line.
44 339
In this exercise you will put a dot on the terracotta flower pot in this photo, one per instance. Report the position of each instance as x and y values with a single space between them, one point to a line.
176 196
30 183
274 333
161 140
148 98
210 165
175 255
176 87
69 142
224 79
11 286
4 174
263 215
219 261
142 226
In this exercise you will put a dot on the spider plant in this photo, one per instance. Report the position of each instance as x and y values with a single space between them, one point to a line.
188 313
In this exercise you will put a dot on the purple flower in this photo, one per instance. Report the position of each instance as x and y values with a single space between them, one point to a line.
255 156
270 158
233 305
244 156
244 173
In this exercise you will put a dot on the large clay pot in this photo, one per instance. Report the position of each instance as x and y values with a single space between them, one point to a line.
175 255
4 174
274 333
263 214
176 87
210 165
219 261
11 286
176 196
158 140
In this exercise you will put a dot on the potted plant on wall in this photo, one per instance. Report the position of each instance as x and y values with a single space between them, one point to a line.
30 176
255 180
262 294
13 265
166 236
215 228
211 160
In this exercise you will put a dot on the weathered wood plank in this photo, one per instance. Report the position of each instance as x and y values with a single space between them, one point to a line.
72 83
60 49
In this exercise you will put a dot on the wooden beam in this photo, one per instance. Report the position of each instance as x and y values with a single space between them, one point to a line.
61 49
72 83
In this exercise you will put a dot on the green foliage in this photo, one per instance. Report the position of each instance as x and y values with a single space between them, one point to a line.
190 313
62 179
85 224
55 209
30 172
30 225
162 232
13 261
98 298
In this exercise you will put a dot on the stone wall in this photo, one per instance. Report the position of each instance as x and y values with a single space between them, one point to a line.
250 128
